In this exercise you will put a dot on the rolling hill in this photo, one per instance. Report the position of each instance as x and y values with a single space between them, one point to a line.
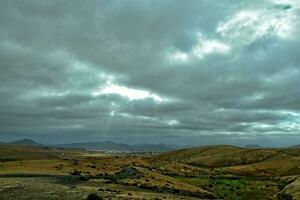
211 172
236 160
218 156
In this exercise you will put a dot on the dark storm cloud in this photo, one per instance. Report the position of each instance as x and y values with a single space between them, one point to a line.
212 71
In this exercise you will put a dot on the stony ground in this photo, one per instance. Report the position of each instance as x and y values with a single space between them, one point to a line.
69 188
205 173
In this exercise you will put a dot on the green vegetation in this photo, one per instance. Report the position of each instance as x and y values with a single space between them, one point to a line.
243 188
94 196
221 172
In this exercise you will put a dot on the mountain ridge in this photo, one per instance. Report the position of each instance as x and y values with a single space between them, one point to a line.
102 145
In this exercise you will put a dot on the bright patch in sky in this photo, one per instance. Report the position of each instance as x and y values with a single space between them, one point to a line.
179 57
285 1
173 122
293 124
131 94
248 25
202 48
209 46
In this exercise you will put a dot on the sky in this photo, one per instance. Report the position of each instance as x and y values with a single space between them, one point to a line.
192 72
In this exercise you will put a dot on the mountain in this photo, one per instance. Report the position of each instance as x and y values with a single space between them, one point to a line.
296 146
252 146
103 145
25 142
154 147
106 145
113 146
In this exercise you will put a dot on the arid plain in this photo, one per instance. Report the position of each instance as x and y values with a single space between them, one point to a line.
214 172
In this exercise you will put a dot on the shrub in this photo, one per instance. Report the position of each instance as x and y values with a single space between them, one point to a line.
76 173
284 196
83 178
94 196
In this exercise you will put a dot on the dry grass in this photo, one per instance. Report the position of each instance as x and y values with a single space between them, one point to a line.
209 172
219 156
280 165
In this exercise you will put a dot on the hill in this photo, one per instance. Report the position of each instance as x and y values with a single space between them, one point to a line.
243 161
11 152
218 156
25 142
296 146
212 172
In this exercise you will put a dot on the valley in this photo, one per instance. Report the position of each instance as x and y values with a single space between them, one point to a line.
214 172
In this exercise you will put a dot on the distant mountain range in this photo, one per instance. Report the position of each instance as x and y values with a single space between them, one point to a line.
253 146
114 146
296 146
103 146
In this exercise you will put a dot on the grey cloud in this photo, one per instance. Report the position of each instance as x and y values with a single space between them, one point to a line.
56 54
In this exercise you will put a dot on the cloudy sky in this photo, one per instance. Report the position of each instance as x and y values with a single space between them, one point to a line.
183 72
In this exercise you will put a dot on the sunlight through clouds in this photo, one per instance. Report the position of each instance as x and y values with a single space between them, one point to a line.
209 46
179 57
202 48
131 94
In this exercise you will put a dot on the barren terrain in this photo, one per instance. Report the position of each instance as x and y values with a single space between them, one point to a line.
216 172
